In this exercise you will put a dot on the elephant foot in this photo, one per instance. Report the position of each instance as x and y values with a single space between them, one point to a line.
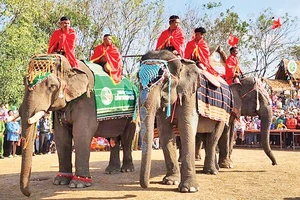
80 182
112 169
171 180
189 185
63 179
210 170
127 167
226 163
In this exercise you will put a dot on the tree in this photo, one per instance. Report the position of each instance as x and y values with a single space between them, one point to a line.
266 45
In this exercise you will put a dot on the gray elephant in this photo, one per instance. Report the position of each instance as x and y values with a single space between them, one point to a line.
164 81
250 99
176 82
69 93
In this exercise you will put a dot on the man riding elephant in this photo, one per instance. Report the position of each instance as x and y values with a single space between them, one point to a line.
108 56
63 41
172 39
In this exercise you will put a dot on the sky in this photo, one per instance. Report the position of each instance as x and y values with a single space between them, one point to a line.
242 7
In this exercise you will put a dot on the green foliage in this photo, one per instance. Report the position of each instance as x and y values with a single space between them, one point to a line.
268 46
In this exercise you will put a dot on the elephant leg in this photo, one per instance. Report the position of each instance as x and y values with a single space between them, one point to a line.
82 142
224 148
63 143
210 149
178 144
114 160
168 145
187 124
126 141
199 142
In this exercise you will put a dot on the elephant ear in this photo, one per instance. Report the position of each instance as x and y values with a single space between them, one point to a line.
188 80
77 84
237 97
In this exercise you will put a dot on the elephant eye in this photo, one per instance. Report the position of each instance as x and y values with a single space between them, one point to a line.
53 87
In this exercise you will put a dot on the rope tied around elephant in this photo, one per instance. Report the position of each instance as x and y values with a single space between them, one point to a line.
25 140
152 72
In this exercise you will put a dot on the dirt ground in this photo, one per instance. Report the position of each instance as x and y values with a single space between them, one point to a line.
252 178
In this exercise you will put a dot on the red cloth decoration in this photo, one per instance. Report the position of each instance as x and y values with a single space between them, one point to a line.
276 23
113 59
66 42
175 39
199 52
231 67
233 40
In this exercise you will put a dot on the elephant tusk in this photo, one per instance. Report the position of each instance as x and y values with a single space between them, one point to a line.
36 117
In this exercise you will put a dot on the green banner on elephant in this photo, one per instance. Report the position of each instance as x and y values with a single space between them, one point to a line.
112 100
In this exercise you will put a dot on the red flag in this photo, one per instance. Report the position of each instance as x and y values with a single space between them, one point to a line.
233 40
276 23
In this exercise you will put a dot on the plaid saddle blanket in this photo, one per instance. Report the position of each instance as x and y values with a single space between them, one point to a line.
214 102
112 100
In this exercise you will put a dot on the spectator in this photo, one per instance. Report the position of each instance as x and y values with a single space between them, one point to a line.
13 135
2 129
279 104
274 98
283 100
239 129
291 123
252 138
155 143
281 125
44 130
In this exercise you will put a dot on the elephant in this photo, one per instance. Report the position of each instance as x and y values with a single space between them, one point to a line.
169 80
179 84
250 99
68 92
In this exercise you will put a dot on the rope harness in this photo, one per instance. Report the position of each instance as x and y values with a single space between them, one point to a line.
257 87
153 72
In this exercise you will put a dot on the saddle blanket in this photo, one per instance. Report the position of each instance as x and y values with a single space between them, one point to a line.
112 100
213 102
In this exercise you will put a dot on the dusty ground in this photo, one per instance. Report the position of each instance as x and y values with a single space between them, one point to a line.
252 178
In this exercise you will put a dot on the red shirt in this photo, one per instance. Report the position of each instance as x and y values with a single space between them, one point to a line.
174 39
66 42
291 123
113 59
199 52
232 67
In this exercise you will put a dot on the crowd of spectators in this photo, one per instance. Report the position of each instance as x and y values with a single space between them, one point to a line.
10 134
286 115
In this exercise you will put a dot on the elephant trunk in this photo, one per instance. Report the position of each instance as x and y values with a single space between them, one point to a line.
146 131
265 137
28 134
28 138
